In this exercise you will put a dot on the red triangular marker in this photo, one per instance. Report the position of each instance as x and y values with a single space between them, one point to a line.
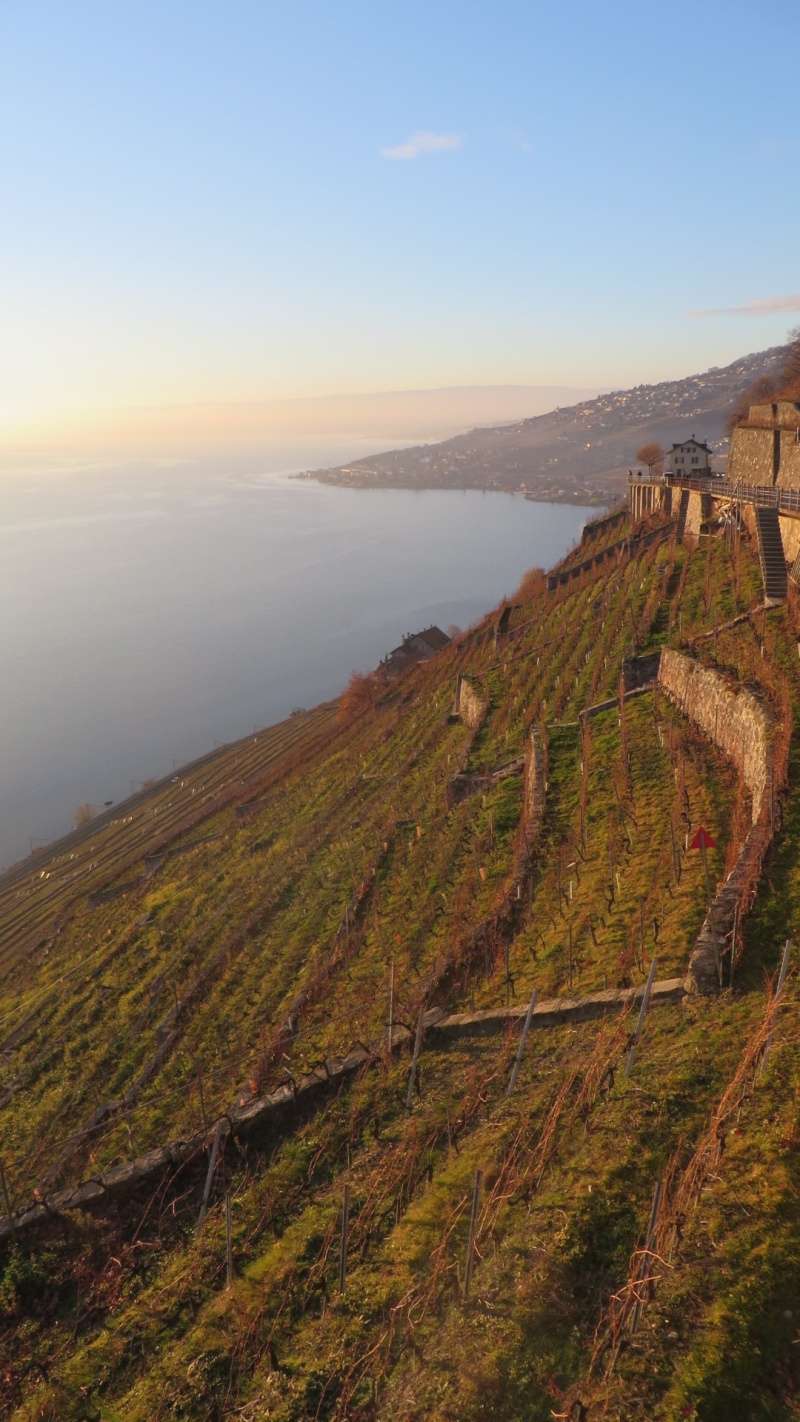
703 840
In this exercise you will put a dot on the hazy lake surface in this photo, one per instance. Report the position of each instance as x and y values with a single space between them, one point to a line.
151 612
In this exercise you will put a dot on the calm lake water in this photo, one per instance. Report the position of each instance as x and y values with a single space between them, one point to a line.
151 612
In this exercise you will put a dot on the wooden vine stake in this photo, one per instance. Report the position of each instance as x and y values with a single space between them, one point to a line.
390 1027
343 1237
782 971
473 1217
644 1259
228 1242
734 940
523 1037
412 1075
212 1165
5 1190
645 1003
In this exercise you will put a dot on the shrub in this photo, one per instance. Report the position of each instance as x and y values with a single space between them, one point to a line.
532 584
360 695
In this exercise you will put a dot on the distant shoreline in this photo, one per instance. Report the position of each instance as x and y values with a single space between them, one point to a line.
579 498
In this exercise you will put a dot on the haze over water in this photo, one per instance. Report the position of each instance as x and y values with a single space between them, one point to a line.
151 612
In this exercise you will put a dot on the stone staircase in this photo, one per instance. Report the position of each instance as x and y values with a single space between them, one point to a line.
770 553
683 509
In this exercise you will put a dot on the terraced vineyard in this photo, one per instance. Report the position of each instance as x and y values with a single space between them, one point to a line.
414 1241
33 896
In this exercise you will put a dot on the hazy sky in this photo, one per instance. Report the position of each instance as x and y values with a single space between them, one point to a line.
236 201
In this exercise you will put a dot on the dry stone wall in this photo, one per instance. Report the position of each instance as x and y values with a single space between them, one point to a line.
737 722
470 706
732 717
535 787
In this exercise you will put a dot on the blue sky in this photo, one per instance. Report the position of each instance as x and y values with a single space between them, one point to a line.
202 202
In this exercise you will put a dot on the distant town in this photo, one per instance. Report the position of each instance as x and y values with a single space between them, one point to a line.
578 454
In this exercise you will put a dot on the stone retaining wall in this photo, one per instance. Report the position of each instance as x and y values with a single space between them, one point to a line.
535 786
469 705
743 729
473 782
732 717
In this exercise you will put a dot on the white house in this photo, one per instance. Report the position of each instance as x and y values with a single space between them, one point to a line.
689 459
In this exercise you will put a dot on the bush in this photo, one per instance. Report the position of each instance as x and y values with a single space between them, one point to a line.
532 584
360 695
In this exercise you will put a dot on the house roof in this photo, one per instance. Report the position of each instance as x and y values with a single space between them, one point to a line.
684 443
416 646
433 636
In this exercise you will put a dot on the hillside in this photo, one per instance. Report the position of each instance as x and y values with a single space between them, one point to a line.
577 454
276 1141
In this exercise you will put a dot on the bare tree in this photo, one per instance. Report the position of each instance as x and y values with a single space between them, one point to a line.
651 454
84 816
360 695
767 387
760 391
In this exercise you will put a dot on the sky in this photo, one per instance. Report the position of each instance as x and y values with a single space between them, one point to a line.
238 202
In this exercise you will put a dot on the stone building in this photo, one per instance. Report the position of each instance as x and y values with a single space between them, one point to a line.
765 448
415 647
689 460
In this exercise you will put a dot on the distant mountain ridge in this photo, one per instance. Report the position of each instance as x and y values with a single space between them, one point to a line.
575 454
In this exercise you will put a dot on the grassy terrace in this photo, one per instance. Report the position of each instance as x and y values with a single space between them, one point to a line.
270 943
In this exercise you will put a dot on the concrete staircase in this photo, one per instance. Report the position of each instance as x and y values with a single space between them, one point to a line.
770 553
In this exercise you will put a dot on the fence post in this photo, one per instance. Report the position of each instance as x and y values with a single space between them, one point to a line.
473 1216
648 988
526 1026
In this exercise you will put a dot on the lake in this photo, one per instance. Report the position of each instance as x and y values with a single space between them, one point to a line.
153 611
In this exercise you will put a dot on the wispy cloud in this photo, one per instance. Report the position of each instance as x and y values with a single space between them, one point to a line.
422 142
769 305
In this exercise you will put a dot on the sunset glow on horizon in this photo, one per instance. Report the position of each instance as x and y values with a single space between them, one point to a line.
207 209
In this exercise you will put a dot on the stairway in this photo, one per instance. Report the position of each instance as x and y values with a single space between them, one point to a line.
683 509
770 553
